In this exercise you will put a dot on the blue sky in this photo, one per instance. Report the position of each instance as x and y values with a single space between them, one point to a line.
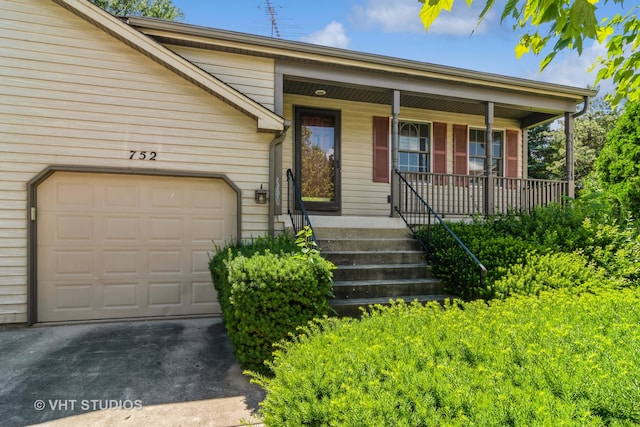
393 28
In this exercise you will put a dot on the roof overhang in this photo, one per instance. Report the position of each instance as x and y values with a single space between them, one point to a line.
267 121
357 76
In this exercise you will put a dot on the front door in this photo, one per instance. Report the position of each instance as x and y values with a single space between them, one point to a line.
317 145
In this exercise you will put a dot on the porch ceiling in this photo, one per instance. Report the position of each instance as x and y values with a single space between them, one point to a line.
410 100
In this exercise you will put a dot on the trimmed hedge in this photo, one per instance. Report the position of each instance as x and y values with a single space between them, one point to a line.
265 296
556 359
271 296
281 244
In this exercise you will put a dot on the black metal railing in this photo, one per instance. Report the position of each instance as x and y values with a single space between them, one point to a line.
439 242
295 207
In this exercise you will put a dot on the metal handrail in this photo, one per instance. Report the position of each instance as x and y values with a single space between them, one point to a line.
438 237
296 209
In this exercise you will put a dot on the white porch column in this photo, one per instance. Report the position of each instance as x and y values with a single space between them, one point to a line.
525 153
489 193
395 112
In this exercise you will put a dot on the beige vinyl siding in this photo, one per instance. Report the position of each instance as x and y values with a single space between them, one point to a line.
251 75
71 94
360 195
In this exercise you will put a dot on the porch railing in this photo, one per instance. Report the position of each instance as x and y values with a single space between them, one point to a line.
450 194
296 209
436 238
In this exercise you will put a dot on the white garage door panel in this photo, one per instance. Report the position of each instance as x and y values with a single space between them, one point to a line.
118 246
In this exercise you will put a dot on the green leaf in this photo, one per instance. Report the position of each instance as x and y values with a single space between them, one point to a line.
431 10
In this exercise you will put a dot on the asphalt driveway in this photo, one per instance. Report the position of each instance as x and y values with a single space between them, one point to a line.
167 372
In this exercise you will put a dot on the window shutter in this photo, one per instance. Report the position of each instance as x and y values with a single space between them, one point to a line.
439 148
460 153
511 154
440 151
381 149
460 149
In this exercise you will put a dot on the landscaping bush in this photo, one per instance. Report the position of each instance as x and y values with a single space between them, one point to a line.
267 288
281 244
514 240
569 271
556 359
271 295
615 247
557 227
497 252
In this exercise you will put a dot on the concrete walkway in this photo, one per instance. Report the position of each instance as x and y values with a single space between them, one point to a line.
155 373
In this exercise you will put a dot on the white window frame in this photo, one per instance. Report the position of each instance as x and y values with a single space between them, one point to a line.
501 163
428 152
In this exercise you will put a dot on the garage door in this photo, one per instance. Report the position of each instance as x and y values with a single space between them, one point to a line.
127 246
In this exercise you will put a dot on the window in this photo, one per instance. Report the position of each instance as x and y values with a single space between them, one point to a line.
478 152
414 151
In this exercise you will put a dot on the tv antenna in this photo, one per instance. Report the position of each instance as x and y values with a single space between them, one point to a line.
271 12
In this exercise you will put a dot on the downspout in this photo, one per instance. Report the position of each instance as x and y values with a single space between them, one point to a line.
395 112
275 177
569 144
585 107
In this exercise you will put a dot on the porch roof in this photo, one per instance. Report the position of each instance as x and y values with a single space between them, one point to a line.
364 77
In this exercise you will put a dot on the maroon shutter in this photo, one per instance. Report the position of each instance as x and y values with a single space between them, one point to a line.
439 148
460 153
460 149
511 156
381 149
440 151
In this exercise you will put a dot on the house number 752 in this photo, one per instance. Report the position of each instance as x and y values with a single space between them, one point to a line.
142 155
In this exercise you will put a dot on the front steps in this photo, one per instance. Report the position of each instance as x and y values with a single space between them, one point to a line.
375 265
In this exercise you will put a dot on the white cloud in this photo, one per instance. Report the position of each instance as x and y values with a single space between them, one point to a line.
572 69
391 16
334 35
403 16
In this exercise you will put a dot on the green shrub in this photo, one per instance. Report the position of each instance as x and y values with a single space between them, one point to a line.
557 227
513 240
497 252
557 359
271 296
281 244
614 247
267 288
570 271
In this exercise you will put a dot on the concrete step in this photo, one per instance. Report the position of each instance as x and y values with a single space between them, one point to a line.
325 233
353 307
368 244
386 288
382 272
375 265
340 258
